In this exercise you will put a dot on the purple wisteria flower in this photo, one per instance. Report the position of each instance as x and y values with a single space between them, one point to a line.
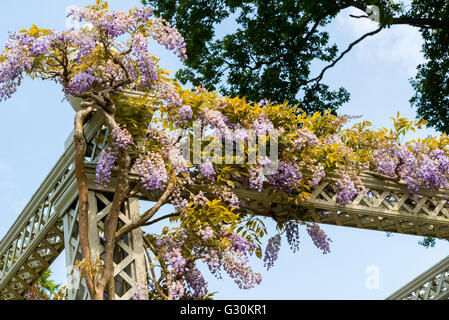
292 234
240 135
233 259
334 139
177 161
143 14
236 266
199 199
145 63
347 190
80 83
207 169
169 93
176 289
12 69
272 251
179 202
206 234
317 175
232 199
176 260
319 237
152 172
122 138
217 121
305 138
141 293
256 177
185 112
40 46
104 167
140 64
239 243
287 177
196 282
263 126
415 164
168 37
85 43
263 103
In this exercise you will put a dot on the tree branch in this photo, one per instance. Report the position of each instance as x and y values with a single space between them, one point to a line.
176 214
421 22
351 45
426 23
111 222
151 212
150 263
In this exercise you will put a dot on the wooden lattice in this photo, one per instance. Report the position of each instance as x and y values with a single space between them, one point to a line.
48 224
430 285
386 206
129 260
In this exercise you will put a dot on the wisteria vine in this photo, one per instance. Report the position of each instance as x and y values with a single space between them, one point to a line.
111 56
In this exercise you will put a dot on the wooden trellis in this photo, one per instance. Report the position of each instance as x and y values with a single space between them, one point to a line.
48 224
433 284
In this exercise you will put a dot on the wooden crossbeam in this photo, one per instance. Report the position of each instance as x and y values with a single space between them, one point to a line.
432 284
386 207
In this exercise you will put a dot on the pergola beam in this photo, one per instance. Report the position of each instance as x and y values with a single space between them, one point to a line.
37 236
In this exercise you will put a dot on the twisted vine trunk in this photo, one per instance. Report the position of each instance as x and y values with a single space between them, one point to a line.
111 222
83 190
106 280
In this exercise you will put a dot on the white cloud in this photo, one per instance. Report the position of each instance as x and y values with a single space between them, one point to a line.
400 44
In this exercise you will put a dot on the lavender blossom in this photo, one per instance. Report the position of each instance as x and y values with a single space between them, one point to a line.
272 251
104 167
292 233
152 172
207 169
122 138
319 237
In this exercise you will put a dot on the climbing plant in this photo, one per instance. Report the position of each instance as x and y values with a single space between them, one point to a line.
152 131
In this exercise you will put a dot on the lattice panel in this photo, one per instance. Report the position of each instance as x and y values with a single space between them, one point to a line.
36 238
386 206
383 209
36 263
430 285
76 290
39 238
129 260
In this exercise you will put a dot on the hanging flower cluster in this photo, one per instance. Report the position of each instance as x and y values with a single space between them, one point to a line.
415 163
222 250
275 148
29 49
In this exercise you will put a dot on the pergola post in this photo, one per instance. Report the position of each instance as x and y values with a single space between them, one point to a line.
129 259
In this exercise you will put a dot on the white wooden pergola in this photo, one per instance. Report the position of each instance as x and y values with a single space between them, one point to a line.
48 224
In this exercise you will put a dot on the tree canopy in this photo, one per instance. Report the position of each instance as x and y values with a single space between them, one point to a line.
269 52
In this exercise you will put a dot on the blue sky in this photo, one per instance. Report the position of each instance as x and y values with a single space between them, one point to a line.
35 122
